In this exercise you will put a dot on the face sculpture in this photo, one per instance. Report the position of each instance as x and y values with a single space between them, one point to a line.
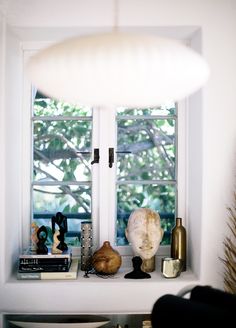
144 232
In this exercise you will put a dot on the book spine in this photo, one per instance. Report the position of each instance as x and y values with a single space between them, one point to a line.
43 268
71 274
46 275
28 276
46 256
44 261
58 275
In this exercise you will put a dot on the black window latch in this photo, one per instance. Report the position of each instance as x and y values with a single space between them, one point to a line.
96 156
111 156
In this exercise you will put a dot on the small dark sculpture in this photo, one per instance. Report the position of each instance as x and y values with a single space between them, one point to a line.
42 235
137 273
61 221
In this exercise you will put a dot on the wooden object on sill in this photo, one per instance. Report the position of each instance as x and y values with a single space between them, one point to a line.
149 265
56 242
42 235
61 221
34 238
106 260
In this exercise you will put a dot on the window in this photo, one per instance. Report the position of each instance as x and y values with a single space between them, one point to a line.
137 167
61 168
146 165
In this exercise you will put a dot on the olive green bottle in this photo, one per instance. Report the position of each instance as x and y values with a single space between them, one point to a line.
178 242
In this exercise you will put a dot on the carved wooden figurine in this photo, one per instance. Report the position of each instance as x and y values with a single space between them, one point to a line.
34 238
61 221
56 242
42 235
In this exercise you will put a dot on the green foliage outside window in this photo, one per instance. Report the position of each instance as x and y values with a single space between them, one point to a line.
61 162
146 170
61 176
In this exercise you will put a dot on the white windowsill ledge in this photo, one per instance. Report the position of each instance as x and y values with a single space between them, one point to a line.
94 294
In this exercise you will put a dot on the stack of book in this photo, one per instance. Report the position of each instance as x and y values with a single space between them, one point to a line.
47 266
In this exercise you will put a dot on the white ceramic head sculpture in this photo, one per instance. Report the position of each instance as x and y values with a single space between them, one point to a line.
144 232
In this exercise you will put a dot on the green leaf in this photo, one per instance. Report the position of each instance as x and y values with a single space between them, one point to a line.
41 103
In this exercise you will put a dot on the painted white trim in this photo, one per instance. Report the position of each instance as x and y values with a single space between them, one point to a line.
106 188
95 179
26 157
2 145
181 165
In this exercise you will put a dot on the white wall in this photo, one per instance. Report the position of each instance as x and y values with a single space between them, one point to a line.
212 131
219 135
2 138
13 154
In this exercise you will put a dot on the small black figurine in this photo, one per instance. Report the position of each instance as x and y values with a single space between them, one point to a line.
61 221
137 273
42 235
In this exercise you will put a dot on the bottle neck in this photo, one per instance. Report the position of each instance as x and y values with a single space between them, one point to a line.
178 222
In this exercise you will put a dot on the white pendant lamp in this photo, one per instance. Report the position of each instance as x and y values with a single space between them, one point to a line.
118 69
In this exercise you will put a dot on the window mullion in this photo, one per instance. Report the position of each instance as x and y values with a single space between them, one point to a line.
181 163
26 161
106 176
95 178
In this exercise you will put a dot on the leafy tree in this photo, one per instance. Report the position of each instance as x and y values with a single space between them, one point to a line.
145 165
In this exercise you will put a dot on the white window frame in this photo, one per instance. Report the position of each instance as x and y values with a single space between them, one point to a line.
103 178
109 138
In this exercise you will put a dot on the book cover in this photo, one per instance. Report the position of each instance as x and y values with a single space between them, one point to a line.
71 274
32 254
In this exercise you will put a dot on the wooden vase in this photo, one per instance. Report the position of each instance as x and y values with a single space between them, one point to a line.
106 260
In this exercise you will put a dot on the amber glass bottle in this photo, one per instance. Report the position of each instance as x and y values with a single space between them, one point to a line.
178 242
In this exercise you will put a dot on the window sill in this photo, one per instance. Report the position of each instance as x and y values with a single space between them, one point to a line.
94 294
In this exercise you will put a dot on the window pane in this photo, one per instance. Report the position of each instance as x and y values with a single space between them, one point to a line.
151 144
165 110
161 198
62 150
61 168
44 106
146 165
72 200
64 198
72 237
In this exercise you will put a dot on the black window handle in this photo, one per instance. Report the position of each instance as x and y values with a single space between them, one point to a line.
96 156
111 156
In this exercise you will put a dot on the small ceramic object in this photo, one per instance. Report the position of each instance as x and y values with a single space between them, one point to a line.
171 268
106 260
86 241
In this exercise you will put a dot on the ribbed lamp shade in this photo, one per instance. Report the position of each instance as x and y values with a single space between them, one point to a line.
118 69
